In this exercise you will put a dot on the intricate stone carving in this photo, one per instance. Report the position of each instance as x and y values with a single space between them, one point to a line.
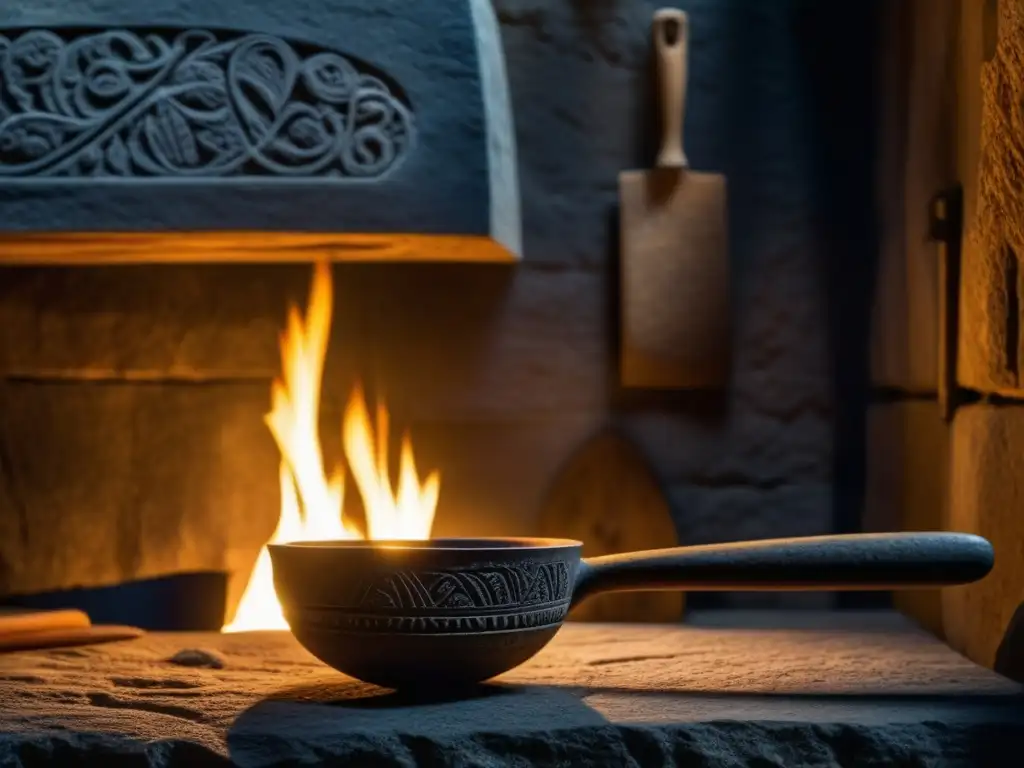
483 598
195 103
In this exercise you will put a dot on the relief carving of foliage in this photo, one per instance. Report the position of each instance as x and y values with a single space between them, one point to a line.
124 103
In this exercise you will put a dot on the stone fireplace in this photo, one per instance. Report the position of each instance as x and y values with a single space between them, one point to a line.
149 266
171 172
137 141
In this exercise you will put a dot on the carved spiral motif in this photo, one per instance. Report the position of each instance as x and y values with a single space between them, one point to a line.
192 104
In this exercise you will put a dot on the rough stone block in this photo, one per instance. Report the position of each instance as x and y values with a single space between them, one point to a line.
753 446
195 117
198 322
986 497
456 342
101 484
511 342
908 484
990 342
706 515
871 691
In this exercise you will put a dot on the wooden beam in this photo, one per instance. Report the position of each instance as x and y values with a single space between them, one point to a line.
242 247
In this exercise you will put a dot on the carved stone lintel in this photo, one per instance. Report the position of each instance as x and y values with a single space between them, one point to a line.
381 130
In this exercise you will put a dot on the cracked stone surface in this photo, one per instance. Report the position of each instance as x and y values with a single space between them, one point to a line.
761 689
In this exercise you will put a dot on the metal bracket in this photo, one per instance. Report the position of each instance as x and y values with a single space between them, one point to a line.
946 226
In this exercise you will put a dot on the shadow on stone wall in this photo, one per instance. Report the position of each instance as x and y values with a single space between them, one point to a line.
1010 656
837 53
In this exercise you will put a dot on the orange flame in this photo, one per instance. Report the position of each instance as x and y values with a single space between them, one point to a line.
311 501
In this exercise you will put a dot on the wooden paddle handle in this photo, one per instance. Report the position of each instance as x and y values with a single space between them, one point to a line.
18 620
671 46
67 637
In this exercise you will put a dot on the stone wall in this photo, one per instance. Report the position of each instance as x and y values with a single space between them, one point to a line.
986 620
908 440
965 475
131 441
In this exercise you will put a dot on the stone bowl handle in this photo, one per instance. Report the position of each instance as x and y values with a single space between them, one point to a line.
869 561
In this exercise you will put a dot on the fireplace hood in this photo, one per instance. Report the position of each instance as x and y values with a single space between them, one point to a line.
255 130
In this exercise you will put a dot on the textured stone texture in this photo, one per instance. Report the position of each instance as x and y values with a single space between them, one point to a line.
710 514
440 111
210 322
868 690
990 342
502 373
986 497
908 484
606 496
164 479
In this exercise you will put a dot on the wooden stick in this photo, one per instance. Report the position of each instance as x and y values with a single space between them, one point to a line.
15 621
67 636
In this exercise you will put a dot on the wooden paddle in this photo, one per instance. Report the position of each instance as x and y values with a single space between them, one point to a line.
675 308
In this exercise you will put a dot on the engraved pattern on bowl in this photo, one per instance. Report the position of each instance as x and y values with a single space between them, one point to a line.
483 598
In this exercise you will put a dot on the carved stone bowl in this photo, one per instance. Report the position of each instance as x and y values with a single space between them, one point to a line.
452 612
439 613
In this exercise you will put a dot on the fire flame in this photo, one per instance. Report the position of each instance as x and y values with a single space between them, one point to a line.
311 501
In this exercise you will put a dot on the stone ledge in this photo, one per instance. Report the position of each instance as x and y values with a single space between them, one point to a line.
985 497
869 689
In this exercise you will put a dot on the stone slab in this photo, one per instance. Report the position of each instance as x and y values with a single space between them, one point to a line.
188 322
986 497
763 689
194 323
315 117
458 342
990 295
101 484
707 515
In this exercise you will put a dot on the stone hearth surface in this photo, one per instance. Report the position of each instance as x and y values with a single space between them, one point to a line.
762 689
